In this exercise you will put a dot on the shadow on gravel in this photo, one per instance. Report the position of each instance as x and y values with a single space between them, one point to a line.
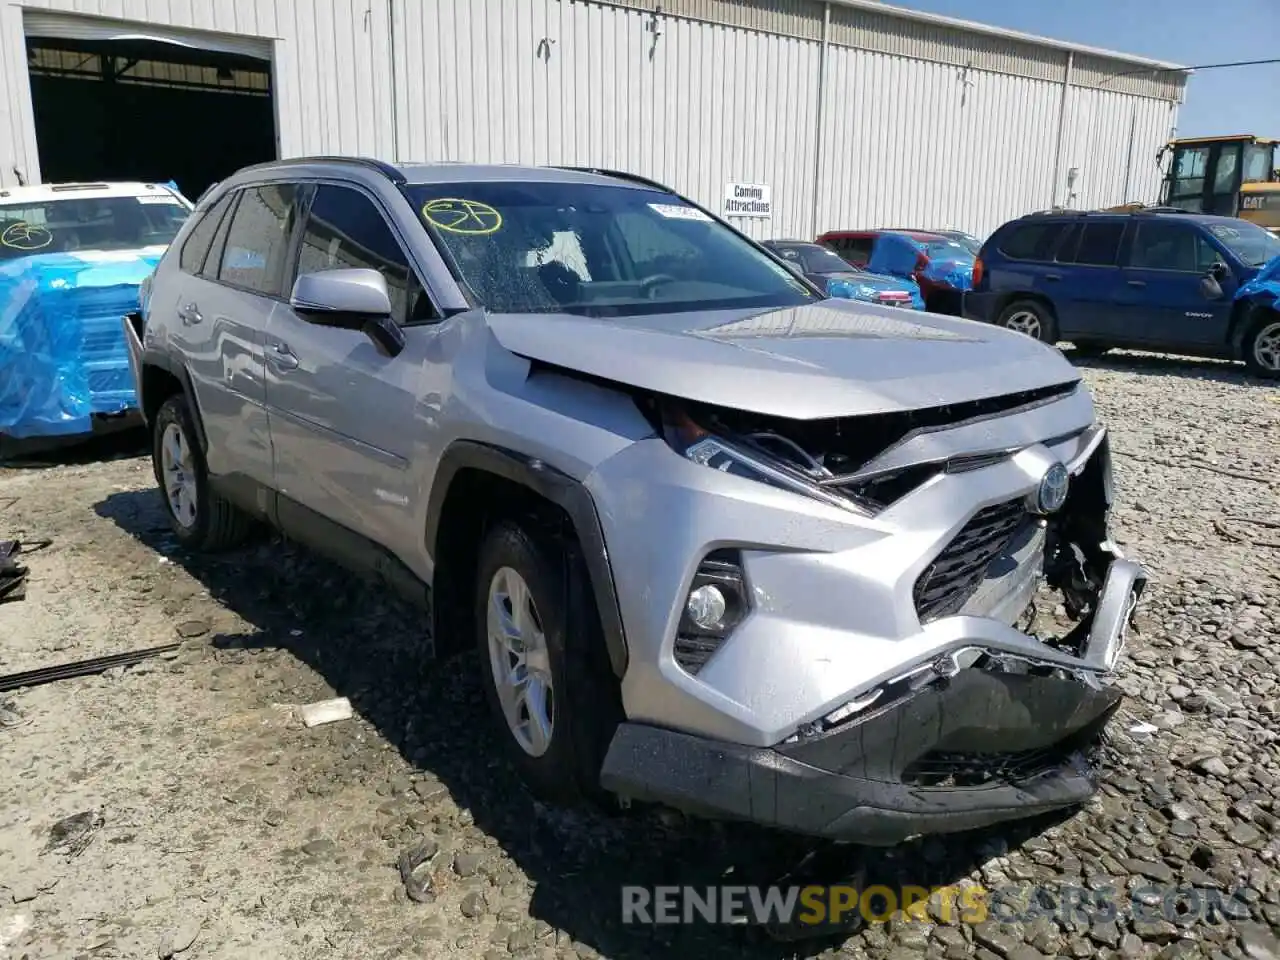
41 453
371 649
1191 368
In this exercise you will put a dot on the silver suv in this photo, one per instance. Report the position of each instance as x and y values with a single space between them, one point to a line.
722 543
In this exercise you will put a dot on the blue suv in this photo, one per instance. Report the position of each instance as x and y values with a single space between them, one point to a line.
1153 280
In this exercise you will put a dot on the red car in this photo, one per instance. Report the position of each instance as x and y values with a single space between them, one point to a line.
941 265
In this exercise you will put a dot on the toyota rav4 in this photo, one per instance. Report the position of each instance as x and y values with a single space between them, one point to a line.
722 543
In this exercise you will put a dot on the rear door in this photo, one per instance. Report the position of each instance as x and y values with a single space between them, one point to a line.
220 315
1163 300
1087 280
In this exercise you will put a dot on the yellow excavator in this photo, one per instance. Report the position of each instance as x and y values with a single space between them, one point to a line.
1231 176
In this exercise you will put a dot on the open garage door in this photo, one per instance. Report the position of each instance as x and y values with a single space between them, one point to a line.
111 104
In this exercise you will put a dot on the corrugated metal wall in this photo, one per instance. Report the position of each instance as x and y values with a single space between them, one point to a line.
578 83
924 123
331 59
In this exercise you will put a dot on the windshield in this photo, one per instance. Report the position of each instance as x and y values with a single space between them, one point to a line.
70 224
1253 245
597 250
823 261
972 244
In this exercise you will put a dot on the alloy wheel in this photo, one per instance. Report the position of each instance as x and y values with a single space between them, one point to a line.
520 662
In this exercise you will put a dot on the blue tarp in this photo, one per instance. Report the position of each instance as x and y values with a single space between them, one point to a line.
62 351
897 255
1264 286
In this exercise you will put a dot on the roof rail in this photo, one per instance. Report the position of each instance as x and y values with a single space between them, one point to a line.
620 175
388 170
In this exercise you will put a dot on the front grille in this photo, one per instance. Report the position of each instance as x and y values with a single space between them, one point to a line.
952 578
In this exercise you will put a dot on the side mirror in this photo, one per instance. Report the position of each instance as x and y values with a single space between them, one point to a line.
1219 271
1210 288
350 299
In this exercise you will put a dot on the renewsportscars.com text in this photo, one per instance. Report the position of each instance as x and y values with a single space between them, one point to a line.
960 904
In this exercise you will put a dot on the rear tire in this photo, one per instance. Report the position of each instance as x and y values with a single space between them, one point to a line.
543 661
1032 318
200 518
1262 346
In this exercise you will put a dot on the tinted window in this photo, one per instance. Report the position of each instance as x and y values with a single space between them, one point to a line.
597 250
346 230
1100 243
258 238
1033 241
1171 246
198 242
821 260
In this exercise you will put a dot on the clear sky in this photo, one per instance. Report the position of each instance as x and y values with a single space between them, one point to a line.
1187 32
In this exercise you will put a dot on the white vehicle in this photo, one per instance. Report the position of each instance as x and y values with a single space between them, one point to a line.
73 258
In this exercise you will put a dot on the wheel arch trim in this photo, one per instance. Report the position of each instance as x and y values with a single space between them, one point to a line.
556 487
163 360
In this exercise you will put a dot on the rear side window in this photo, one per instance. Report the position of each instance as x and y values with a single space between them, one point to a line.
1033 241
345 230
1099 244
258 239
200 239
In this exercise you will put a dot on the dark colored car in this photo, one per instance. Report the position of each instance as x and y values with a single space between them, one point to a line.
1168 281
826 270
941 266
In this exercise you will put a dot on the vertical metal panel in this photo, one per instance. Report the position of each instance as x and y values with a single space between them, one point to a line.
912 143
330 66
1097 144
537 81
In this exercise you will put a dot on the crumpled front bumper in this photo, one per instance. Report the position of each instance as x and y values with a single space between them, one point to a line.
971 738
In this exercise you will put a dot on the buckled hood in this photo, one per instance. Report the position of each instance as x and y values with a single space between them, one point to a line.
832 359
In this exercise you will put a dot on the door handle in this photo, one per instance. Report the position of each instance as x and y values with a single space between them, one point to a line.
190 314
1137 283
282 357
1053 276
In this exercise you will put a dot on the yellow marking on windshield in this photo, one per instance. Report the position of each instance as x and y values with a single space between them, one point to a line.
26 237
455 215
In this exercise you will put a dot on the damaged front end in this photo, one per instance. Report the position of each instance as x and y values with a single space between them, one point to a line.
998 703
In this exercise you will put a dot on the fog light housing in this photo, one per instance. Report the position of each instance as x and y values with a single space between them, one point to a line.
715 604
707 606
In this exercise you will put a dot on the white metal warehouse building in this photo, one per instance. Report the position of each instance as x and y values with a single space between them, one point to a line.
845 113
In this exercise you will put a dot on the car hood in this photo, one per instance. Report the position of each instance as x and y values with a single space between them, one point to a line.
875 281
833 359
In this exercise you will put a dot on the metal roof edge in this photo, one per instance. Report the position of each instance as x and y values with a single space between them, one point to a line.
922 16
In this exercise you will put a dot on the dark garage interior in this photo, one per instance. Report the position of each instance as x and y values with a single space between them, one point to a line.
148 110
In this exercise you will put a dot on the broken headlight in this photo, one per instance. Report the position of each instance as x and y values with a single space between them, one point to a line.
764 457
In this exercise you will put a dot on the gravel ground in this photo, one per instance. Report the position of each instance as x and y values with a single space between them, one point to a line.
217 825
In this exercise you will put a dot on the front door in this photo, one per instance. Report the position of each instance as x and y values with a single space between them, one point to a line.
1164 300
345 418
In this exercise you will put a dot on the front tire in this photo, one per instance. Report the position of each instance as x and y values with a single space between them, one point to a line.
543 662
200 518
1031 318
1262 346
